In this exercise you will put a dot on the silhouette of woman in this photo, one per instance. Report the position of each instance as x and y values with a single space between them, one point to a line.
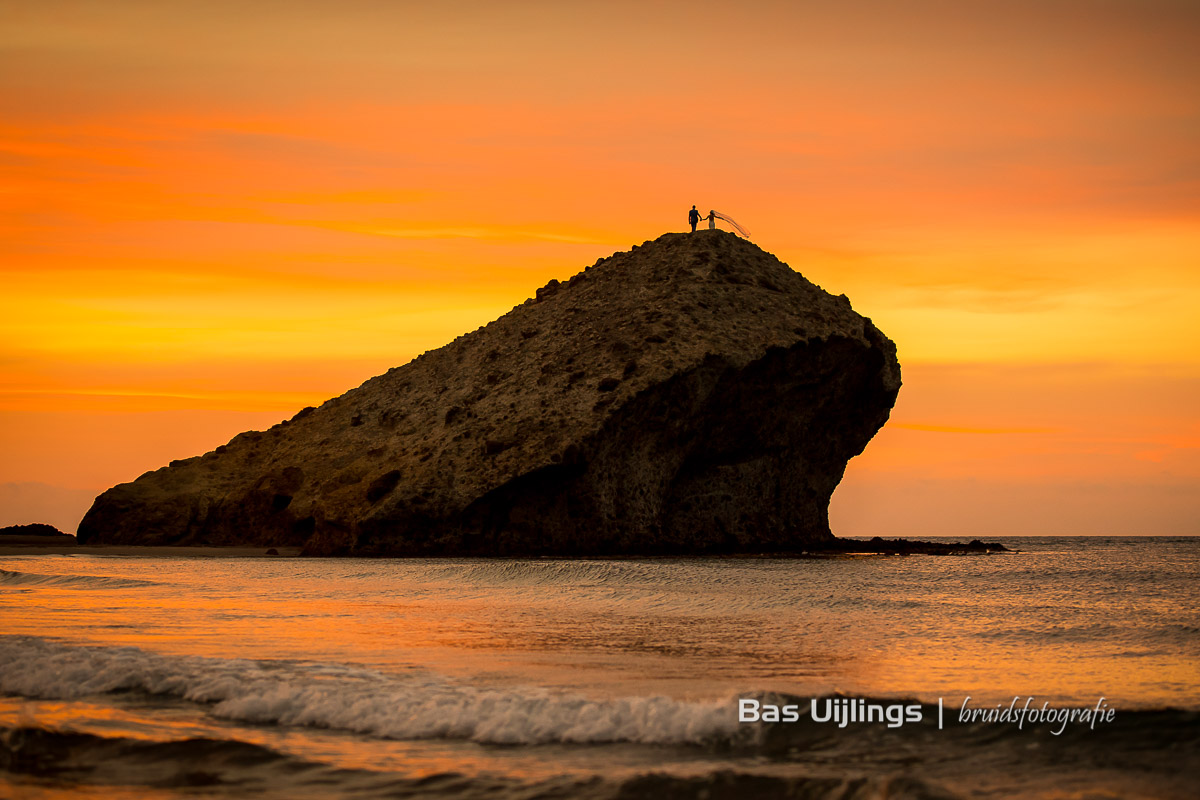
712 220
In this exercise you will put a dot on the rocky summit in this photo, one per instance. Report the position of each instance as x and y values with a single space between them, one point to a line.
693 395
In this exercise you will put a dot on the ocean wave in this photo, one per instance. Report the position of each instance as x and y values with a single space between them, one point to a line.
11 578
362 701
423 705
919 765
251 770
550 572
665 586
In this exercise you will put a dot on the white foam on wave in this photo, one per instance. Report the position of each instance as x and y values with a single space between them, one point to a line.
358 700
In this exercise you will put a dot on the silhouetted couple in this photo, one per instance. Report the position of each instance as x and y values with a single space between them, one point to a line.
694 217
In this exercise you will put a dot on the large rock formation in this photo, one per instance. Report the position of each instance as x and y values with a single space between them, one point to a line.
693 395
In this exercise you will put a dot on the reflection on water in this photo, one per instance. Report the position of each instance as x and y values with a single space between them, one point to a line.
580 675
1065 622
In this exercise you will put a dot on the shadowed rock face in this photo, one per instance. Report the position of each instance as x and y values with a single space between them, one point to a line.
693 395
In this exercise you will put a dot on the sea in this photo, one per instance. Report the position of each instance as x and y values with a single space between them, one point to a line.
1068 668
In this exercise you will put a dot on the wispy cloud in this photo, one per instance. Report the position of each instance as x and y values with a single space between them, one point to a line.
936 428
485 233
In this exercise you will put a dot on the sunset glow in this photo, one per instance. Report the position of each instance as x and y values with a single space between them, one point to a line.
213 215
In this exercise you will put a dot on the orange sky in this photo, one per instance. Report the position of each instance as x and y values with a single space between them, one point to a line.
214 214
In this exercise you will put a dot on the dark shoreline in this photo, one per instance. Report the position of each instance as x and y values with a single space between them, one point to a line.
837 548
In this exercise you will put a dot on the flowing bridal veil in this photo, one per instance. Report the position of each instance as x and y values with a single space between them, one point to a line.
745 234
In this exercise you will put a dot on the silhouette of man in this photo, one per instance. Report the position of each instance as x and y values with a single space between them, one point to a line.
694 218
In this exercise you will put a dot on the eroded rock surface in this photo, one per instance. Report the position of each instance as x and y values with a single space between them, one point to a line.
693 395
